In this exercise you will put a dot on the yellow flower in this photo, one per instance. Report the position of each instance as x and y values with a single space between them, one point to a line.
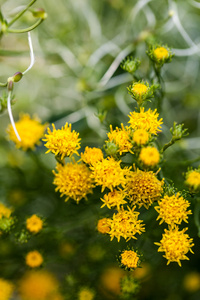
63 142
143 188
114 198
34 259
30 132
4 211
34 224
6 289
38 285
73 180
139 89
85 294
175 244
91 155
161 53
191 282
193 179
110 280
141 136
108 173
173 209
149 156
103 225
130 259
146 120
120 137
125 224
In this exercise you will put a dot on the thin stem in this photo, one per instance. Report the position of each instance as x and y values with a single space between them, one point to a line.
3 84
31 54
25 29
11 116
167 145
21 13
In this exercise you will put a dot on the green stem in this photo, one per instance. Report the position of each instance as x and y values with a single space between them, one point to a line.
26 29
3 84
167 145
21 13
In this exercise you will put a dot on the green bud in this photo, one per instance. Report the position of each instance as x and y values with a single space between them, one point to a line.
111 149
39 13
178 132
10 84
22 237
6 224
17 76
130 64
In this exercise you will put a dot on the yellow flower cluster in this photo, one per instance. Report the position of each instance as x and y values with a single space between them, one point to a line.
73 180
173 209
29 130
34 259
114 199
193 179
34 224
125 224
92 155
175 244
130 259
149 156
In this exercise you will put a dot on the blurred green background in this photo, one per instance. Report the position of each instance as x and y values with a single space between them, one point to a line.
76 75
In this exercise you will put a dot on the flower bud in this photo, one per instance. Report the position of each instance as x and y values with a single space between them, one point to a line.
39 13
17 76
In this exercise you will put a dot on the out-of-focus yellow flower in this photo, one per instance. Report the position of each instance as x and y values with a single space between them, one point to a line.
34 224
149 156
191 282
73 180
143 188
176 244
30 132
110 280
141 136
4 211
86 294
173 209
91 155
103 225
63 142
6 289
38 285
34 259
193 179
146 120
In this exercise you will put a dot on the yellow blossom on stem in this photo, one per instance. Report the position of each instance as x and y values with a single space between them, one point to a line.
141 136
175 244
62 142
173 209
143 188
161 53
108 173
149 156
38 285
34 259
91 155
29 130
6 289
146 120
4 211
86 294
125 224
114 199
73 180
34 224
130 259
139 89
120 136
193 179
103 225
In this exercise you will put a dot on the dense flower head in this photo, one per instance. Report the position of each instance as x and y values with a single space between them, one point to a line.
4 211
38 285
34 224
108 173
146 120
29 130
140 88
114 199
86 294
143 188
193 179
125 224
149 156
141 136
175 244
120 136
6 289
161 53
62 142
173 209
103 225
34 259
73 180
130 259
91 155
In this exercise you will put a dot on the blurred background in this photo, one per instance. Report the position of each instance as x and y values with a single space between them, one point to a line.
76 76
